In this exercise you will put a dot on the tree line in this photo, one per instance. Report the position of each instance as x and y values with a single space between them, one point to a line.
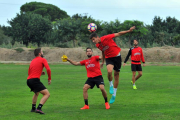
42 23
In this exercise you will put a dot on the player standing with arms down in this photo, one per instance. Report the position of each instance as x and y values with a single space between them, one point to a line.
113 57
136 53
94 76
33 80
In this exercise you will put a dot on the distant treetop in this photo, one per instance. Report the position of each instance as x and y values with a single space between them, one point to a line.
46 10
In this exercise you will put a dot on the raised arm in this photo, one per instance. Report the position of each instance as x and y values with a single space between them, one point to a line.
124 32
73 62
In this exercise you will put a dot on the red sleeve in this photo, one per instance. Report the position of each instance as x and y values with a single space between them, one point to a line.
82 62
97 58
107 37
142 56
47 68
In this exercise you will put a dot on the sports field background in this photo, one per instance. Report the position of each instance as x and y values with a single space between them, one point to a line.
157 96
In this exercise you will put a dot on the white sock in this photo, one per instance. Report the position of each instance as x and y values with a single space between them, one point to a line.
115 90
111 83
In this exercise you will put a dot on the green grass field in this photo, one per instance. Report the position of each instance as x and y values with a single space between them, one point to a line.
157 96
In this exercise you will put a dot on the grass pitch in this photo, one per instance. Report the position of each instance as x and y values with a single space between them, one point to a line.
156 98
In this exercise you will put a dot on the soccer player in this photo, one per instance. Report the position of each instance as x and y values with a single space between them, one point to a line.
94 76
33 80
136 53
111 52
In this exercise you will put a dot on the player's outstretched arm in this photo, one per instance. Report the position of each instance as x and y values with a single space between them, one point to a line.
73 62
124 32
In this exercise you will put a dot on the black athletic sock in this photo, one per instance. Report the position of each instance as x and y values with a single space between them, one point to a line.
33 106
39 106
105 99
86 101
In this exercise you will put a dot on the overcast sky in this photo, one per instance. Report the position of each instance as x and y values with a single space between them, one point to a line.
105 10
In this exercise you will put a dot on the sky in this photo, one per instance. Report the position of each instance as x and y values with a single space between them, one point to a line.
103 10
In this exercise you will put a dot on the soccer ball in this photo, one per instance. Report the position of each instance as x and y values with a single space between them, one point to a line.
92 27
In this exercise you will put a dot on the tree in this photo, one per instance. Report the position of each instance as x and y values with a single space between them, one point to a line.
28 28
176 40
157 24
3 38
139 32
69 27
46 10
159 38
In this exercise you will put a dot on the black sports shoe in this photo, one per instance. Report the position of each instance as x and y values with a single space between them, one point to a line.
33 110
39 111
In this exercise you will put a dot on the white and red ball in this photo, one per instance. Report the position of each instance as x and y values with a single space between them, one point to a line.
92 27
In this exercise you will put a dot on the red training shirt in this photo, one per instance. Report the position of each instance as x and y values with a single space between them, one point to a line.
136 55
108 45
36 67
92 66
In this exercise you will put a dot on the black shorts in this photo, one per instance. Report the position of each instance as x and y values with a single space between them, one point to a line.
35 85
95 81
136 67
116 61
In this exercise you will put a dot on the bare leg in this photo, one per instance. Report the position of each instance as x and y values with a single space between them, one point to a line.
85 95
46 95
133 76
109 70
116 77
105 96
34 99
103 91
139 75
85 89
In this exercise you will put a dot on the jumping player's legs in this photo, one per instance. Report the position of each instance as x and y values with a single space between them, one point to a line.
113 64
110 77
116 81
110 70
117 66
116 78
